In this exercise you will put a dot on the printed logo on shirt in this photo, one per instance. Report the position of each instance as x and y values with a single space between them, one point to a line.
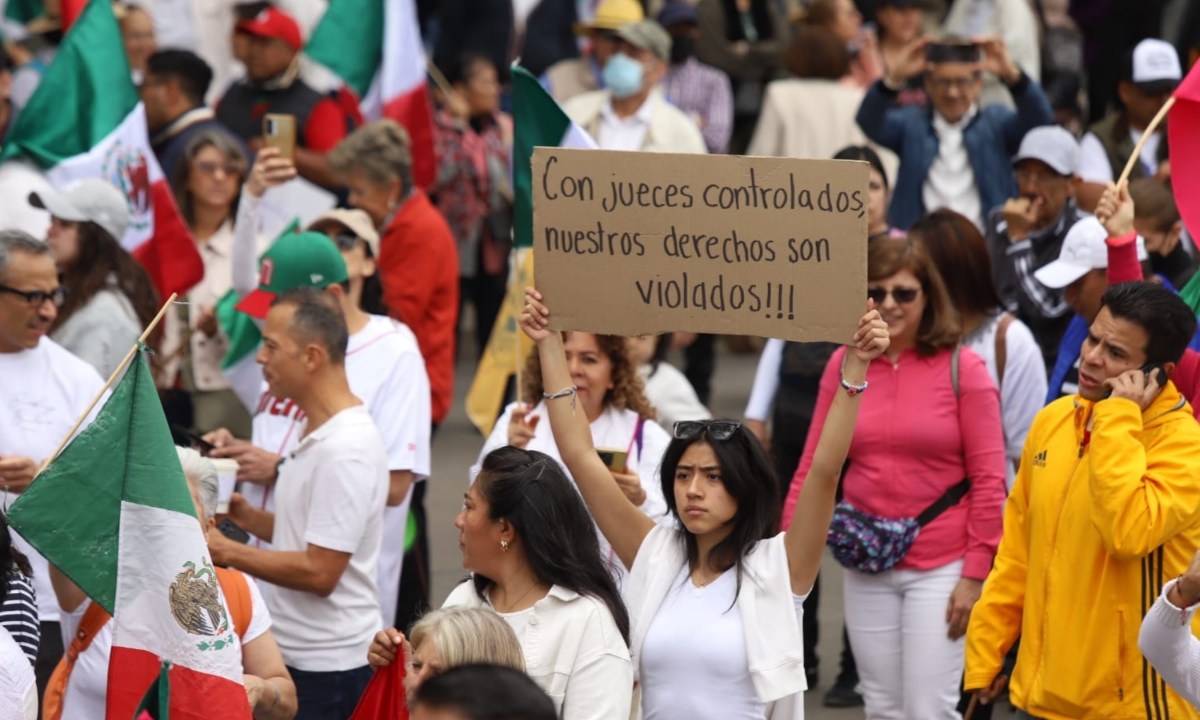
1039 460
271 405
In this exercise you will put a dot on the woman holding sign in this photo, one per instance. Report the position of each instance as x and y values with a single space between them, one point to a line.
695 657
928 451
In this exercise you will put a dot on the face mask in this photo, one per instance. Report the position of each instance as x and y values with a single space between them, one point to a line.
622 75
682 48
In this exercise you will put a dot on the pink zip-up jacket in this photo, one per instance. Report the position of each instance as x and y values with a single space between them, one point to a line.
913 440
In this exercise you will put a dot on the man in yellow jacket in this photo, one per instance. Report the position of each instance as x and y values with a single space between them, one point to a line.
1104 511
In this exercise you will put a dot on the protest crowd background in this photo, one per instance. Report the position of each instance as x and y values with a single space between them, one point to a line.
338 194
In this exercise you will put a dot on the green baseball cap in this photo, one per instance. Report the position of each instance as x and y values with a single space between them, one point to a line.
307 259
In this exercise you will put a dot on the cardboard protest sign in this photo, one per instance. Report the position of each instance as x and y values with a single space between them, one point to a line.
628 243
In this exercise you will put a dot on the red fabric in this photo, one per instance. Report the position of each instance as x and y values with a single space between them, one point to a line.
70 10
194 695
326 126
418 266
170 255
413 111
1187 378
1183 129
1123 264
385 697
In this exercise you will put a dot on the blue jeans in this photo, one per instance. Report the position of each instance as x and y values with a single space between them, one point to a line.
329 695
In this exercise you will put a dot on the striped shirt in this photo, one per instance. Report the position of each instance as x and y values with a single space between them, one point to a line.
19 613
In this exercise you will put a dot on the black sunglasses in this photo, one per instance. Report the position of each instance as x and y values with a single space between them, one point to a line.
717 429
35 298
902 295
346 241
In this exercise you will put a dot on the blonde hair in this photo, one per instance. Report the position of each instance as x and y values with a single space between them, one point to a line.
380 150
469 635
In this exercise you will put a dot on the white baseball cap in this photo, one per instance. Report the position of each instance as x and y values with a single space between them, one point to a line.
1155 67
1052 145
90 200
357 221
1083 250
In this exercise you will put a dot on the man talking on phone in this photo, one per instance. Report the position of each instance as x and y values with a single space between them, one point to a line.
1105 509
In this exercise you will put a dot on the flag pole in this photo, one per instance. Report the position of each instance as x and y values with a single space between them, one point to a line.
108 385
1137 151
438 78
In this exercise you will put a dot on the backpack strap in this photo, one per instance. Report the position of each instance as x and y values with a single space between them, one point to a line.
948 500
236 589
94 618
954 369
1002 347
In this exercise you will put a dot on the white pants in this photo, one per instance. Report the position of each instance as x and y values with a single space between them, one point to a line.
908 665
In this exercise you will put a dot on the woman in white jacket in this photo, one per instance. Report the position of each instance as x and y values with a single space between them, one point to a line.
694 657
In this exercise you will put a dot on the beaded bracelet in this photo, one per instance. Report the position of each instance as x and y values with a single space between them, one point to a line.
850 388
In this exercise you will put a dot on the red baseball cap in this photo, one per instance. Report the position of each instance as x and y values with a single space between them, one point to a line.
276 24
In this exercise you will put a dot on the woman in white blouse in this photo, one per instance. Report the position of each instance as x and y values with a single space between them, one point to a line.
694 657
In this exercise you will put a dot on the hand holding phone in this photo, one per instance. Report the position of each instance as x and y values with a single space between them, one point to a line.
1142 390
279 131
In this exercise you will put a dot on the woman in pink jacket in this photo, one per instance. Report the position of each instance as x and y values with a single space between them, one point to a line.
931 420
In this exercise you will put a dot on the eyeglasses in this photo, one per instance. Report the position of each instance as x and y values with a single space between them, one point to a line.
209 167
346 241
901 295
35 298
944 84
717 429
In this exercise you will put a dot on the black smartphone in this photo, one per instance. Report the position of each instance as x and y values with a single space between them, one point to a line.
230 530
183 436
1155 372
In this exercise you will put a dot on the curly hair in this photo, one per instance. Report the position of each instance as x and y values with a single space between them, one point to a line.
628 391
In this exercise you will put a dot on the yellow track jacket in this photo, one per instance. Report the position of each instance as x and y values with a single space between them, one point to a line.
1096 523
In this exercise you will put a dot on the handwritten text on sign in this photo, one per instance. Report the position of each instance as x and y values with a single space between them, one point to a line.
632 243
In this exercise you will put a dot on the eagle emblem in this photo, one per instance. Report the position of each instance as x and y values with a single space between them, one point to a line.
196 604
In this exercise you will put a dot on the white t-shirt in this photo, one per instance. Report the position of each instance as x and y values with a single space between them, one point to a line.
43 392
87 691
18 687
331 493
676 659
950 182
386 371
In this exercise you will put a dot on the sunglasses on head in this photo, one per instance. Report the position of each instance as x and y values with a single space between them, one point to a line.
901 295
716 429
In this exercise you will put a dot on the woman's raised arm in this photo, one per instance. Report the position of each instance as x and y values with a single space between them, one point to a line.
623 525
805 538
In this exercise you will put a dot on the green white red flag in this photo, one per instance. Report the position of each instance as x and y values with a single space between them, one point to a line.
114 514
374 47
85 120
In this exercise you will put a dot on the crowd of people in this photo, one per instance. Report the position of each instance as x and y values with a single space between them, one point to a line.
1001 456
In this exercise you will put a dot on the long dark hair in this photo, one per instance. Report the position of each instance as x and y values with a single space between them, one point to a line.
100 256
961 256
748 474
11 559
530 490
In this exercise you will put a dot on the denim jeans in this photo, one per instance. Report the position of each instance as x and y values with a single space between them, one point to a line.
329 695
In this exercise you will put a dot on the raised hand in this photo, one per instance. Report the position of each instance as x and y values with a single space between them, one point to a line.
996 59
871 339
1115 210
270 169
909 64
535 317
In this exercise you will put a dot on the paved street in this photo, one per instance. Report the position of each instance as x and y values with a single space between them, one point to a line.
457 446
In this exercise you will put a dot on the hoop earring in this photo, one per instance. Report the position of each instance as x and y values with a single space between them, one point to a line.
503 546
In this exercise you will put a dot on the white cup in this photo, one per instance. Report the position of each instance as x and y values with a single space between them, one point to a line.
227 469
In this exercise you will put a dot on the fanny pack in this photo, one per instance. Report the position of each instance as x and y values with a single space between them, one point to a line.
871 544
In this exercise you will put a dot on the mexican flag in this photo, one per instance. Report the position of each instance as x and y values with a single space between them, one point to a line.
1183 130
538 121
374 47
85 120
114 514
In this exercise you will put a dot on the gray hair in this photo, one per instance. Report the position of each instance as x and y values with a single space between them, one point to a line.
19 241
465 635
318 318
202 475
380 150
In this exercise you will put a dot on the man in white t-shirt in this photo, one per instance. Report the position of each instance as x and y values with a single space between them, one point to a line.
385 370
328 525
43 390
